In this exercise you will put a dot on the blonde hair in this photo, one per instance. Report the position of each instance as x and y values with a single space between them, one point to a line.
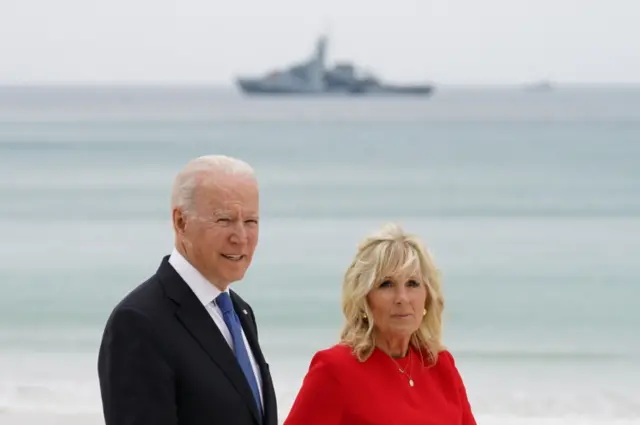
387 253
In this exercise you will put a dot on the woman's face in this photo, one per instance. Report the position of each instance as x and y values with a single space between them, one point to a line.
397 305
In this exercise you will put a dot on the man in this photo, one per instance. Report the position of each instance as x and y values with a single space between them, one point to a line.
182 348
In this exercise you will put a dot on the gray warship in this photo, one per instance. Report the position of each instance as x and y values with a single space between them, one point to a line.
313 77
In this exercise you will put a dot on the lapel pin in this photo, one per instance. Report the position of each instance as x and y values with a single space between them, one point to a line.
244 311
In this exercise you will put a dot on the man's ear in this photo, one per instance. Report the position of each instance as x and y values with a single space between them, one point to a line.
179 221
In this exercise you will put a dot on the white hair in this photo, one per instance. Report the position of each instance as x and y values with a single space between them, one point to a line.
187 180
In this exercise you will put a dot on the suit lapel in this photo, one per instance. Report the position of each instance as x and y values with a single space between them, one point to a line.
249 328
250 332
195 318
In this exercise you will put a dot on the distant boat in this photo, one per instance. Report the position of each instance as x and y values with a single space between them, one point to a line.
539 86
312 77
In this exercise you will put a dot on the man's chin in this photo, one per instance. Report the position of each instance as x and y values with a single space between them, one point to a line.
233 275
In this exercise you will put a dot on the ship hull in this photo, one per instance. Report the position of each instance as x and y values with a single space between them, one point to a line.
258 88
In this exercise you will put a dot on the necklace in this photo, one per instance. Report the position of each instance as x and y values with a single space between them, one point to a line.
404 371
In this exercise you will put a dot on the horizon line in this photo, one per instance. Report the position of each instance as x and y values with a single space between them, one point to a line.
220 85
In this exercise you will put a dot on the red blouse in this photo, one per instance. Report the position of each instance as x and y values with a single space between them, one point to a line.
340 390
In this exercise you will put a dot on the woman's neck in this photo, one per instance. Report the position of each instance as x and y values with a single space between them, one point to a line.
393 347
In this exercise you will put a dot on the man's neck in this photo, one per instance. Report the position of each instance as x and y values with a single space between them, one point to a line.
222 287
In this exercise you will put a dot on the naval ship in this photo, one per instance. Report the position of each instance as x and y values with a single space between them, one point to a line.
313 77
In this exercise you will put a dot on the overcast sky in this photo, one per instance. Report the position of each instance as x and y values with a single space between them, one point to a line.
205 41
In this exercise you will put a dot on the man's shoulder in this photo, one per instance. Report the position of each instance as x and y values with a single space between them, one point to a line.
141 295
145 299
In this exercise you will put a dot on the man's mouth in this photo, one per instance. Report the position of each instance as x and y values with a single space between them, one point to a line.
233 257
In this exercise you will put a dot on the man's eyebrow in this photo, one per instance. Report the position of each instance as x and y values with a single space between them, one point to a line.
223 212
220 211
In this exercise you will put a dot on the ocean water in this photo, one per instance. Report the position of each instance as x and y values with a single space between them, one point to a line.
530 203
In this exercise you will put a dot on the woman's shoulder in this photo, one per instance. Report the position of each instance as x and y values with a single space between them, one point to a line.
445 355
446 362
341 355
445 358
336 356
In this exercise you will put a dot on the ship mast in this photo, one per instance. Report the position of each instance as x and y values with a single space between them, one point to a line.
317 66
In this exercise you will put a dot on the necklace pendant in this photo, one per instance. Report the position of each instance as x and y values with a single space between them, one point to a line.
411 382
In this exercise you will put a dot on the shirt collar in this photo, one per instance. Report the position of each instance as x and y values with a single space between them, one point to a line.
205 291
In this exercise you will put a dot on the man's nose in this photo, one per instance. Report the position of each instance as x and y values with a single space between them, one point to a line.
239 235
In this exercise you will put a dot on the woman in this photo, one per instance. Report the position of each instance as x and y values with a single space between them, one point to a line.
390 366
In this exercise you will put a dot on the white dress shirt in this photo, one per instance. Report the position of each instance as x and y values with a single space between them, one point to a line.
207 293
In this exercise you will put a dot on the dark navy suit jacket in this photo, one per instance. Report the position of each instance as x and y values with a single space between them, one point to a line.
163 361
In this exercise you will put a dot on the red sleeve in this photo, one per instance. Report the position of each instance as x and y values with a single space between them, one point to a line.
467 414
319 401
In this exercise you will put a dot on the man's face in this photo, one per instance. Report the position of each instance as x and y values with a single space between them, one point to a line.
220 235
